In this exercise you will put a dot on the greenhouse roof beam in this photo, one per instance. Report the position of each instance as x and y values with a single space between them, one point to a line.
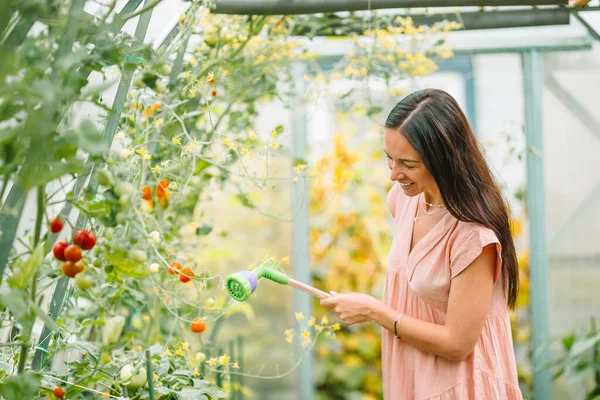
587 26
500 19
288 7
339 26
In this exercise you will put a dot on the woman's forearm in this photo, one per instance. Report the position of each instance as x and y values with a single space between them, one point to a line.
425 336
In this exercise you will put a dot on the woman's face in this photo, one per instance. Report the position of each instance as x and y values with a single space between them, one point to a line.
406 166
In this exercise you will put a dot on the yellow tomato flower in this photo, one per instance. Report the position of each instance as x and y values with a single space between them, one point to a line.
306 334
274 145
324 320
159 122
156 169
252 136
200 356
289 339
295 180
147 156
179 351
336 327
141 151
210 78
195 372
176 140
297 169
224 359
235 365
312 321
318 328
226 141
288 332
185 345
167 352
299 316
286 259
212 362
165 163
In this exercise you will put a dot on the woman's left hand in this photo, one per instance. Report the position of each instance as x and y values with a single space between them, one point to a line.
353 308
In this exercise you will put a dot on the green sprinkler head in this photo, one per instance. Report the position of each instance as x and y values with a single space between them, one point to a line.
243 283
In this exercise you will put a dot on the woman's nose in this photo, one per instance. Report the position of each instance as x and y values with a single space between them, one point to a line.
396 174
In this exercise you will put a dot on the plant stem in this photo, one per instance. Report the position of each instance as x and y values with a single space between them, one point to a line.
41 209
150 374
4 186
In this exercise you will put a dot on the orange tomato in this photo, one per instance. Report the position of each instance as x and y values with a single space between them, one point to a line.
59 393
186 275
198 325
174 268
146 193
71 269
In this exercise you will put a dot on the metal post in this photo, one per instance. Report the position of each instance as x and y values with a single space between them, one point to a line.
533 85
300 255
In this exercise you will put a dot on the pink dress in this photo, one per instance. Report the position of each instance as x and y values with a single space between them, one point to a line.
418 284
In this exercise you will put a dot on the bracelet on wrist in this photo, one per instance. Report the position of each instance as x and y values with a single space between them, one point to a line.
395 325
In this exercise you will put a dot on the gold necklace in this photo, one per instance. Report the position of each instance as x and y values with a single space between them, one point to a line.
427 214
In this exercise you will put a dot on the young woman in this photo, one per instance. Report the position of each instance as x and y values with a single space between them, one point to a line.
452 266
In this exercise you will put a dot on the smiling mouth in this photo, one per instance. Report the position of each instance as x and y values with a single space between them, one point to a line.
406 185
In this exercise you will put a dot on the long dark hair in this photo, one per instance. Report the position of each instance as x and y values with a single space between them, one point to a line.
435 126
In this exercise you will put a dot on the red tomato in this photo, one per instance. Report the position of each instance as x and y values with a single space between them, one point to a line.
186 275
59 393
58 249
73 253
85 239
71 269
174 268
56 225
198 325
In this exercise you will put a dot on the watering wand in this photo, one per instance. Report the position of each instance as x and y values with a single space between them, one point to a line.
243 283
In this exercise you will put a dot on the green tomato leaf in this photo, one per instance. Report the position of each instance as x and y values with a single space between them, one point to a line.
92 90
126 266
298 161
17 302
246 202
21 278
203 229
72 59
90 140
581 346
22 386
208 388
48 322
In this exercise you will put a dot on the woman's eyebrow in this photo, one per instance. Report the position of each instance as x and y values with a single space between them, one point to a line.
401 159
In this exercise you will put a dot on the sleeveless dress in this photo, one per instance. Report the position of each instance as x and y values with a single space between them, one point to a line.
418 284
